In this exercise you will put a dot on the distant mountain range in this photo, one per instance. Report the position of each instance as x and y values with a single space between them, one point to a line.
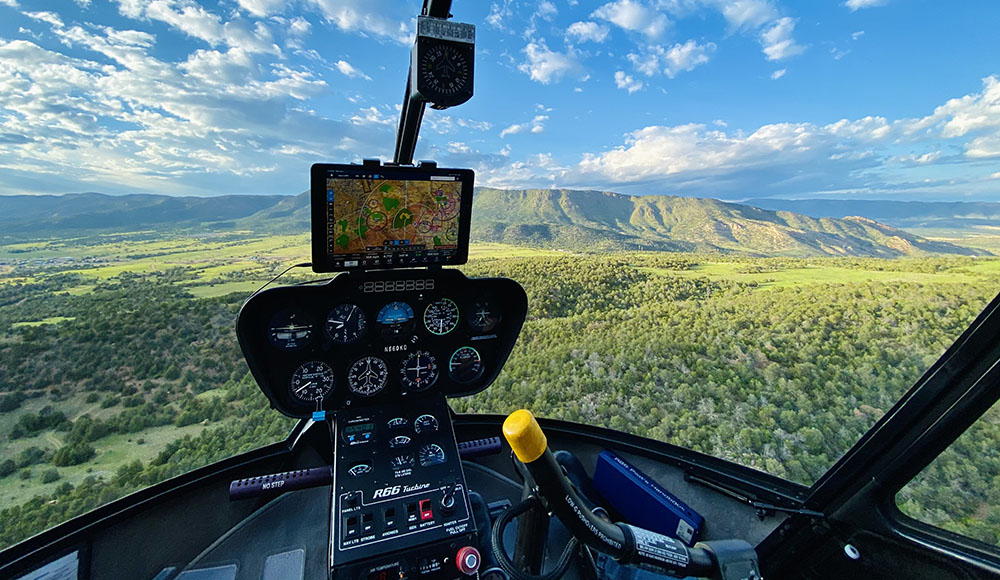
554 218
900 214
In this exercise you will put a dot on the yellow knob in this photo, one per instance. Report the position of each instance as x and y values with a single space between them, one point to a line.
524 435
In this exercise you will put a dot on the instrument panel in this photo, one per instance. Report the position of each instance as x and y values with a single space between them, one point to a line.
369 337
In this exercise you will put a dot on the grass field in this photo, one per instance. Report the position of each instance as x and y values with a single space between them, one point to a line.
829 275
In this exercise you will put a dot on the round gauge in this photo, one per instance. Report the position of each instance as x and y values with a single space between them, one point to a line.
431 454
419 370
397 423
399 441
346 323
360 469
395 320
441 316
401 462
312 381
445 70
367 376
484 317
290 329
465 365
426 424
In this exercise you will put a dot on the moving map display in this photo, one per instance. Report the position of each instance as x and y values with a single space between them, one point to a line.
387 217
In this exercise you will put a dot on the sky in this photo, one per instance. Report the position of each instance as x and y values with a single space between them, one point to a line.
734 99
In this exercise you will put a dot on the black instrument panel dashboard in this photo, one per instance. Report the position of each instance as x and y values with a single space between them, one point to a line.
371 337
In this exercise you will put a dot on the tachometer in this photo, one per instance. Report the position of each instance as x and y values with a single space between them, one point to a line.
431 454
426 424
395 320
465 365
312 381
419 371
290 329
441 316
346 323
367 376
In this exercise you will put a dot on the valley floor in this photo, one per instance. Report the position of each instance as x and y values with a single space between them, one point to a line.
120 368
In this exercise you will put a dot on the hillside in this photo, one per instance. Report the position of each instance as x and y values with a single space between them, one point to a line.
560 218
587 218
900 214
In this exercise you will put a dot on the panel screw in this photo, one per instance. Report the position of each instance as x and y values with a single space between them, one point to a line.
851 552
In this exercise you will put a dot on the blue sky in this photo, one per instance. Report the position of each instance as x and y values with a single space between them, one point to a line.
889 99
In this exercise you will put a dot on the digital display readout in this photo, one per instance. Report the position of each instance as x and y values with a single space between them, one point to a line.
389 217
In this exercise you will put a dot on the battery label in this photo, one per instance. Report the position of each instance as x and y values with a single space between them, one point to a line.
659 547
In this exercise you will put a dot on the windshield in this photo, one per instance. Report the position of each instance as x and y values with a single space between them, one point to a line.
745 227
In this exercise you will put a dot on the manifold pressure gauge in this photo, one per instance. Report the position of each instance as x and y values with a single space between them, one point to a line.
441 64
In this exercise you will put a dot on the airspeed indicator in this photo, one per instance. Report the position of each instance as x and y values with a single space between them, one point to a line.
441 316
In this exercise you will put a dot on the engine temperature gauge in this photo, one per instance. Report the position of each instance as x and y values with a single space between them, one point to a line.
425 424
431 454
360 469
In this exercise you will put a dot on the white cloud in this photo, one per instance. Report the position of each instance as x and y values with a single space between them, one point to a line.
262 8
634 16
857 35
345 68
546 66
855 5
536 125
914 159
122 120
778 74
671 61
370 17
373 116
11 3
499 15
778 42
184 15
83 3
49 17
624 81
748 14
299 26
847 155
587 31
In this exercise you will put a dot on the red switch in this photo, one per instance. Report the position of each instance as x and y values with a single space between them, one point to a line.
467 560
425 510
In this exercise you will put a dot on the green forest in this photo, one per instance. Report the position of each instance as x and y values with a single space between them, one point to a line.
115 383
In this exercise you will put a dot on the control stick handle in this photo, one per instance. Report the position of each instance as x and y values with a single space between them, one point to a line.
627 544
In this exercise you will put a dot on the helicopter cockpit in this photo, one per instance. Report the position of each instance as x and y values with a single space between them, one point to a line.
381 480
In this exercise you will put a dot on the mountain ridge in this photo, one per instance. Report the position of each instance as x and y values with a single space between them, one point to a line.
564 218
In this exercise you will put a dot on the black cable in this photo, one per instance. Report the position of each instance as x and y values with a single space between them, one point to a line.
562 565
283 272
